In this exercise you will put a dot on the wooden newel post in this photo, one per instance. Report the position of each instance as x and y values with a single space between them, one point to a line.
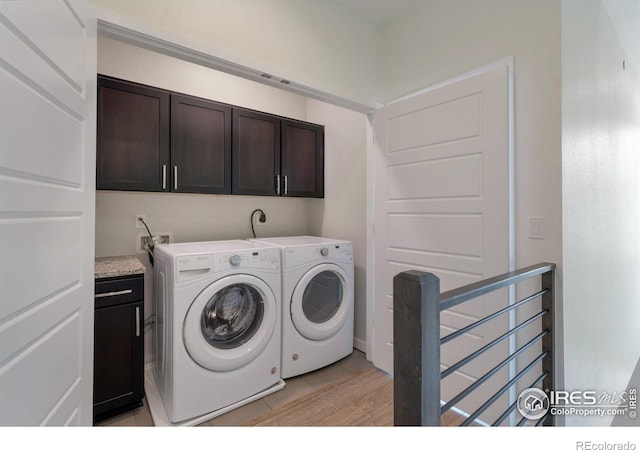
416 349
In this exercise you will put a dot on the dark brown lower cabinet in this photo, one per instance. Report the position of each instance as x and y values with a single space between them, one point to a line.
118 363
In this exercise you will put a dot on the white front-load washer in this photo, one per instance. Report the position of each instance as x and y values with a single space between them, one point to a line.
317 302
218 322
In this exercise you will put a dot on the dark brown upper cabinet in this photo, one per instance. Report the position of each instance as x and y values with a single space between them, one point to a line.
133 136
200 145
276 156
256 153
302 159
150 139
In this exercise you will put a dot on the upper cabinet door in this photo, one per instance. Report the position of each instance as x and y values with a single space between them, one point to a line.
133 136
200 145
302 159
256 153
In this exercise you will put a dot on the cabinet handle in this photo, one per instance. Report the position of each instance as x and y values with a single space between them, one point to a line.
137 321
164 177
278 184
175 178
115 293
286 185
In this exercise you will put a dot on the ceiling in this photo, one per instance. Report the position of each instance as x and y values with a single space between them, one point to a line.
378 12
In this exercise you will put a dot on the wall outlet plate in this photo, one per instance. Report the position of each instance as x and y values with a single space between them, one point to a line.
138 223
256 221
536 227
143 239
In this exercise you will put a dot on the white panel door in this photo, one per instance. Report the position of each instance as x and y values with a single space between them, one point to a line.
47 209
442 206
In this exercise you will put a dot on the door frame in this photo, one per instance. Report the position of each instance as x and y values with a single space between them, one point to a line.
507 61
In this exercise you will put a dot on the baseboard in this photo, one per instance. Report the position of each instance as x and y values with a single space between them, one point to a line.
360 344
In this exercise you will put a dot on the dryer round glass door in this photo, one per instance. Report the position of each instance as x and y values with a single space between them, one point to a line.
230 322
321 302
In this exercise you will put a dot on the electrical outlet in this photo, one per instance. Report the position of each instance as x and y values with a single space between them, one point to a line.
148 240
256 221
144 239
138 223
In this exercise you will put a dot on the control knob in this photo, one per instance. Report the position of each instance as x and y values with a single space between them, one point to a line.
235 260
324 251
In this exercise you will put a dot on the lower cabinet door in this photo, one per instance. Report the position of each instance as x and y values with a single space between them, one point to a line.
118 359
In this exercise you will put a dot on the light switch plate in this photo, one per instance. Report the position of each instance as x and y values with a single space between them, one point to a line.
536 227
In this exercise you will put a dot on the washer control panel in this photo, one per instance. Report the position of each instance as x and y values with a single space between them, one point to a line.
261 258
191 267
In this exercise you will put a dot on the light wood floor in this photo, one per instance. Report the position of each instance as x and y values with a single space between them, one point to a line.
363 399
350 392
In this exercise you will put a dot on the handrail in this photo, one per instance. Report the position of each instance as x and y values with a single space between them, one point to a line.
459 295
417 306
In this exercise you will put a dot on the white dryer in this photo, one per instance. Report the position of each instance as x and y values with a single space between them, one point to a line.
317 302
218 314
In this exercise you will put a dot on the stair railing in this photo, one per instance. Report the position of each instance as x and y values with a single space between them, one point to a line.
417 305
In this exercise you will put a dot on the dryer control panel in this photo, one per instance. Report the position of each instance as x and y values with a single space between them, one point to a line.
295 256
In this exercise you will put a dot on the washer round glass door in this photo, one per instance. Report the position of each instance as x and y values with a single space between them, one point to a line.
320 303
230 322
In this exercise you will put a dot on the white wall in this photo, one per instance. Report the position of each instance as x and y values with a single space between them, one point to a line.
601 213
342 213
320 44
